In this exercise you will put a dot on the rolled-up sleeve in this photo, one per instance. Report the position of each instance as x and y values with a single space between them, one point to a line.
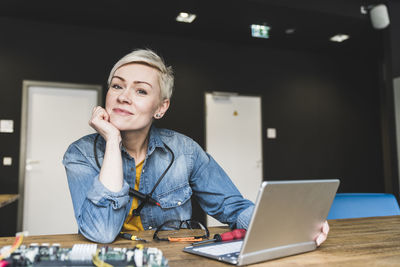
99 212
217 194
244 217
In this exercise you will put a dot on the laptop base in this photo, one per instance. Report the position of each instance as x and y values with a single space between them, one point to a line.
253 257
276 252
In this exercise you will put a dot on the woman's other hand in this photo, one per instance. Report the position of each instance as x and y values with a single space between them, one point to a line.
323 235
100 121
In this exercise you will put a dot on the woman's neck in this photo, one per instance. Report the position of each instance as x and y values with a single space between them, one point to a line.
135 143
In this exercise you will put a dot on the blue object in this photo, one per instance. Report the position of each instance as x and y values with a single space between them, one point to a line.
357 205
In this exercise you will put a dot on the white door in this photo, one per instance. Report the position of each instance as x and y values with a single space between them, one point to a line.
233 138
53 116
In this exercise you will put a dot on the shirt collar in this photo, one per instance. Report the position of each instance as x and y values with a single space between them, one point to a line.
154 142
123 149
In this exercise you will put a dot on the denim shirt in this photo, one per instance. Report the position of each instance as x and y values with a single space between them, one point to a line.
100 213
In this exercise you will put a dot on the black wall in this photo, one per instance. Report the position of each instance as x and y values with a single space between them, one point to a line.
394 10
325 106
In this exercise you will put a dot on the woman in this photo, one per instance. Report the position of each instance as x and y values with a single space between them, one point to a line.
165 166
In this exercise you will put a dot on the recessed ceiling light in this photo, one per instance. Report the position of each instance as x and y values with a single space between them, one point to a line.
185 17
339 38
260 31
290 31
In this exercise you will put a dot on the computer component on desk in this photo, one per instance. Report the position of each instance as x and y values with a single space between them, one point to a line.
84 255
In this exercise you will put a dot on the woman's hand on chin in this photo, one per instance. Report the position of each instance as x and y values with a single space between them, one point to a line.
100 121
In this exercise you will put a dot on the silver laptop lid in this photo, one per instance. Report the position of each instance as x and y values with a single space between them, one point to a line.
287 218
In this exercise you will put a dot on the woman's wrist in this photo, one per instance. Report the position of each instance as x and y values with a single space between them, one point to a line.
114 140
111 175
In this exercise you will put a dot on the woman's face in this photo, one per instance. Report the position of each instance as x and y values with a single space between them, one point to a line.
134 97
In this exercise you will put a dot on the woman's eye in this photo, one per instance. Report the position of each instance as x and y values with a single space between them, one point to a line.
141 92
116 86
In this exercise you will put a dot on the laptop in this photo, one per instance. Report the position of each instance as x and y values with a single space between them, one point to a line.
287 217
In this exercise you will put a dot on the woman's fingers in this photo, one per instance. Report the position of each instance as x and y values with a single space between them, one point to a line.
323 235
320 239
100 122
98 114
325 228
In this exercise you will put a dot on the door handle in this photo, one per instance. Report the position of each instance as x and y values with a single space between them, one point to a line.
30 162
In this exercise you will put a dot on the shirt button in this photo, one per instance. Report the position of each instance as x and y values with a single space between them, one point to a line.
150 227
179 203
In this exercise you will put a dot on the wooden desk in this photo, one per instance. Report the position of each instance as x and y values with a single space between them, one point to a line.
7 199
351 242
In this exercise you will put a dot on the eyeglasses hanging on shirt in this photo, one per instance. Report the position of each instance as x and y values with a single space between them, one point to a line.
181 231
144 198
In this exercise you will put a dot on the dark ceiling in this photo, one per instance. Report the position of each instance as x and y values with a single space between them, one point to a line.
314 21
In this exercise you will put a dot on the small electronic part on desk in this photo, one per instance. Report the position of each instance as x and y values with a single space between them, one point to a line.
82 255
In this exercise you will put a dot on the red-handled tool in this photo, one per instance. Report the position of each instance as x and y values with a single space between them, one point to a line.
235 234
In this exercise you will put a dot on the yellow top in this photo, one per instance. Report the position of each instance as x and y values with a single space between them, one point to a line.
134 223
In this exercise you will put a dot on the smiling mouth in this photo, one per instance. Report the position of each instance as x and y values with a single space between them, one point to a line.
121 111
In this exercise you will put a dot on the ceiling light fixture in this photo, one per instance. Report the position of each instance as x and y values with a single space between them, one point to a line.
260 31
379 15
339 38
290 31
185 17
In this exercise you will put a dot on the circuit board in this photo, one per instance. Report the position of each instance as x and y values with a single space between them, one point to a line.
84 255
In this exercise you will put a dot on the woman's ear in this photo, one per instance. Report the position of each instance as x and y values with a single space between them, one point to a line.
162 109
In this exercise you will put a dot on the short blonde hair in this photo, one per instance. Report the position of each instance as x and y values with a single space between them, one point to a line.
150 58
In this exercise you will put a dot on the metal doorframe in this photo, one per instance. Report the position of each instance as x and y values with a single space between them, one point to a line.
24 123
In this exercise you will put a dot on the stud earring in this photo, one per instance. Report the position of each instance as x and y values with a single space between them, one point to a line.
158 115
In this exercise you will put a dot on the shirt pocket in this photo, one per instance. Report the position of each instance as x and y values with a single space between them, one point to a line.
175 197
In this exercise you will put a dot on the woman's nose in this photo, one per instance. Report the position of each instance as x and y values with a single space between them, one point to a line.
124 96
